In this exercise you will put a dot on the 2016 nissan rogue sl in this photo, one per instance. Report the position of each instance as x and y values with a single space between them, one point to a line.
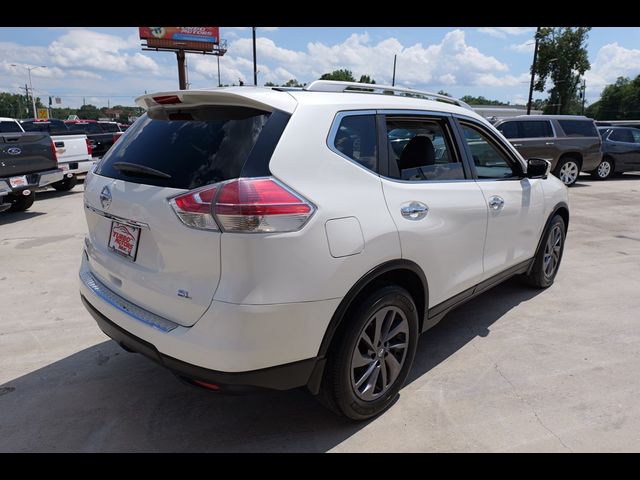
257 237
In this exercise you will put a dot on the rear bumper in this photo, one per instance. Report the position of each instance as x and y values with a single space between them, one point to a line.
281 377
269 346
77 168
34 180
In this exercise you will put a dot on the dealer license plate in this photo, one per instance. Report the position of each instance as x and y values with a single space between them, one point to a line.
124 240
18 181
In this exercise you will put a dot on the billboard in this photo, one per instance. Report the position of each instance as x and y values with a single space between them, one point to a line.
181 34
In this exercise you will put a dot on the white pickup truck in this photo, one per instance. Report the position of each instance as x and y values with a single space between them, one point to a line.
74 151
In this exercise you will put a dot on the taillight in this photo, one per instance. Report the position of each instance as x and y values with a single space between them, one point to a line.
115 137
194 208
89 148
245 205
167 99
55 154
260 205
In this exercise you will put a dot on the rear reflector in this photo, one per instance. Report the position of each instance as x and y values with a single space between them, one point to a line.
245 205
167 99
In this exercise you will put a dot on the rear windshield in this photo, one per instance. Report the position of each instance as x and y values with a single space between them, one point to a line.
578 128
109 127
196 146
51 127
90 128
9 127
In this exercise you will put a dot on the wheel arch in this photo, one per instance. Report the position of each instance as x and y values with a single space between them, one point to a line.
402 272
574 155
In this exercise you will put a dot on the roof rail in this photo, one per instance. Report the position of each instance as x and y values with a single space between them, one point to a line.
335 86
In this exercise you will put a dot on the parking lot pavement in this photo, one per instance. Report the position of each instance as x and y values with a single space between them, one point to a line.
513 370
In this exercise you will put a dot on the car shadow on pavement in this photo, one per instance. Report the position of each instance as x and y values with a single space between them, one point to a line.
463 324
104 399
7 218
52 193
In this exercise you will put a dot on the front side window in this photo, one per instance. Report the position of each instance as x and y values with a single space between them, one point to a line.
622 135
356 139
420 149
509 129
490 161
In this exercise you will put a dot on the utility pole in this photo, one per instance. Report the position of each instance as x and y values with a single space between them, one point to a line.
393 80
255 65
219 82
182 74
533 71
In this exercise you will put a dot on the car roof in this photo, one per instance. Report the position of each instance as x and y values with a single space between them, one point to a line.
287 99
546 117
7 119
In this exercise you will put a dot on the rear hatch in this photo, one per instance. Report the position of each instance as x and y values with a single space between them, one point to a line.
23 153
140 248
71 148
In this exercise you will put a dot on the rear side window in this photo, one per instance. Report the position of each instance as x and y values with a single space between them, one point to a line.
578 128
356 139
9 127
197 146
535 129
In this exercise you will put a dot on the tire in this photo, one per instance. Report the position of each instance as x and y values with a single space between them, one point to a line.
65 184
20 203
542 274
568 170
605 170
346 388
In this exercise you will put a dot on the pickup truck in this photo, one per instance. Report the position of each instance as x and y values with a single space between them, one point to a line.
27 161
100 134
74 150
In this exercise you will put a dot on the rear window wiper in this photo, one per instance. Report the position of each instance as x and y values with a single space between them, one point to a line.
136 169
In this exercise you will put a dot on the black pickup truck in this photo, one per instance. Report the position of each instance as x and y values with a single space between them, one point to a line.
27 161
101 137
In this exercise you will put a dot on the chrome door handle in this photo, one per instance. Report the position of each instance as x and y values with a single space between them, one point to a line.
414 210
517 144
496 202
550 143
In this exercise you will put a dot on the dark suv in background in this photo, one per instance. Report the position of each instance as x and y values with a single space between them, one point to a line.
570 142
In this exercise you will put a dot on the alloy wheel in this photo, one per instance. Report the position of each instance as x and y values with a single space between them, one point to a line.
569 172
380 353
552 251
604 169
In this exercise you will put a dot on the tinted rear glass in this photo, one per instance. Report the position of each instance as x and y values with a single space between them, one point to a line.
9 127
51 127
109 127
535 129
195 146
578 128
90 128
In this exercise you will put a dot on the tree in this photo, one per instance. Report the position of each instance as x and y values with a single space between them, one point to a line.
366 79
442 92
342 75
562 58
89 112
619 101
471 100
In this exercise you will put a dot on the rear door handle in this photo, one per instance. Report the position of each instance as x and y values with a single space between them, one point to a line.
496 202
517 144
59 144
550 143
414 210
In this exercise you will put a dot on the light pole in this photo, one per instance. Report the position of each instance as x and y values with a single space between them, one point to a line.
33 98
255 66
533 71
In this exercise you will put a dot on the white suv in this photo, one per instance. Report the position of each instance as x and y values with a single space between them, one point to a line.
256 237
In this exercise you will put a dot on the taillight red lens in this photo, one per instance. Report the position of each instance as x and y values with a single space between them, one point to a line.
194 208
55 154
260 205
89 148
249 205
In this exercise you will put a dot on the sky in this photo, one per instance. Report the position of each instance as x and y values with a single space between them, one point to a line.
106 65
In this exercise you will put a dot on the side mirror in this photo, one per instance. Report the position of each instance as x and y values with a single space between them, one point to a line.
538 168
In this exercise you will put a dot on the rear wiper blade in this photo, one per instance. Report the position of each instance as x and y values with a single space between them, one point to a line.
134 168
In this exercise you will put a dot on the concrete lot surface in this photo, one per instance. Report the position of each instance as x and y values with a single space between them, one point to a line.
514 370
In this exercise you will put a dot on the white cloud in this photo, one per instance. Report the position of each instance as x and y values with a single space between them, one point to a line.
525 47
268 29
612 61
502 32
491 80
450 62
